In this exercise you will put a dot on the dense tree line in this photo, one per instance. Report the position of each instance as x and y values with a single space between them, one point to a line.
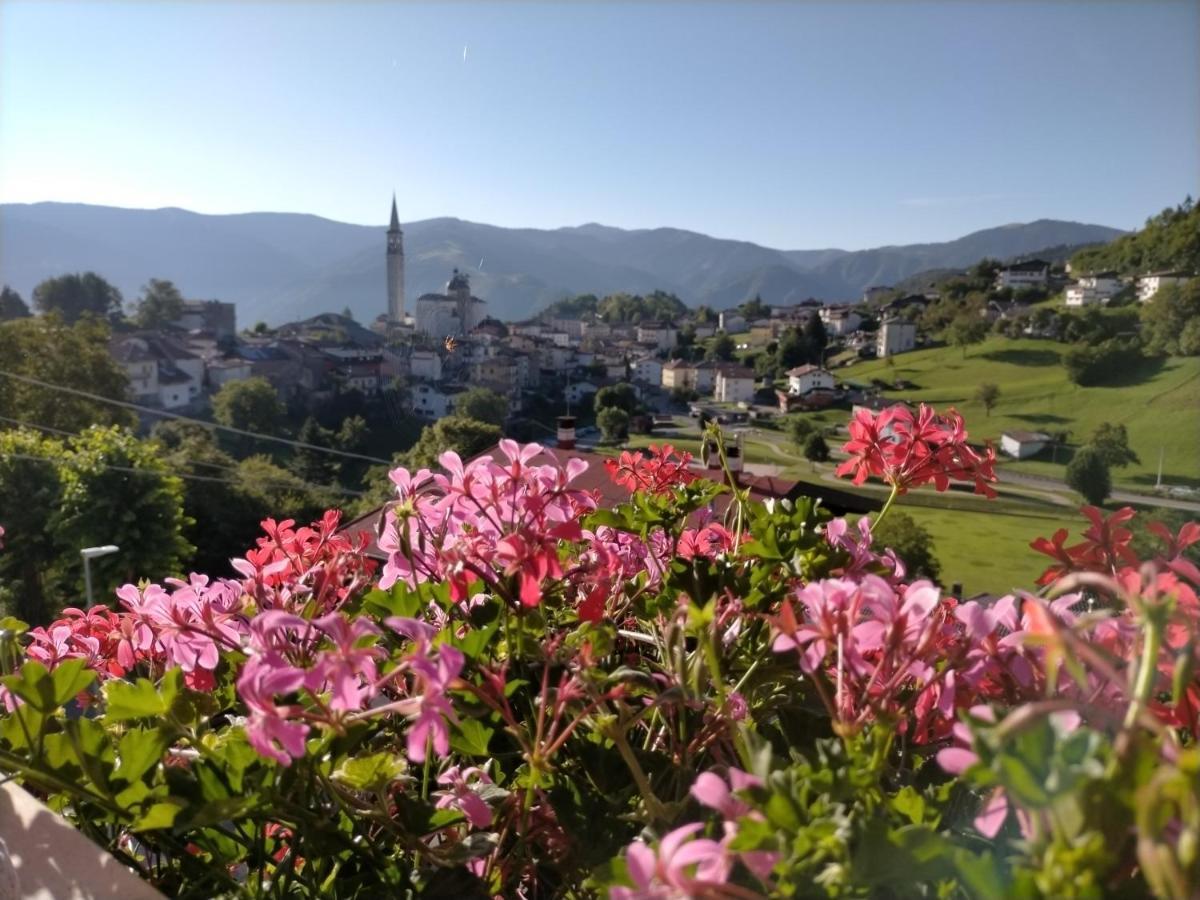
620 308
1169 241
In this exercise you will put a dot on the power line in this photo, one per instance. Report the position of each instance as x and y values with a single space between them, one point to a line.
193 462
149 410
153 474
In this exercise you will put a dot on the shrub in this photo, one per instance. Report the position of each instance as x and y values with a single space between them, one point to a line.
1087 473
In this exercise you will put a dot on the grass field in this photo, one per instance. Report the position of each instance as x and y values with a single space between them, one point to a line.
1159 403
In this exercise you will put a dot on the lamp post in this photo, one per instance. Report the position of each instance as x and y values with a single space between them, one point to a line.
88 554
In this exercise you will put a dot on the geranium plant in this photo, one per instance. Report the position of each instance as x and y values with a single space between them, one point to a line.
687 695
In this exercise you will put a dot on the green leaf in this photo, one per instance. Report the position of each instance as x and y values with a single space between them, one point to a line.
909 803
160 815
47 691
13 625
374 772
140 699
471 737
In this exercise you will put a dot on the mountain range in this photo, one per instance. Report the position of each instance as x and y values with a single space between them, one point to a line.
285 266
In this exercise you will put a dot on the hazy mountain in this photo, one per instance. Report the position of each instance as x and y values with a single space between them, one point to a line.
281 266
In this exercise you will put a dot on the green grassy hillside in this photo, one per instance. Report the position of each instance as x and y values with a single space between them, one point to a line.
1159 403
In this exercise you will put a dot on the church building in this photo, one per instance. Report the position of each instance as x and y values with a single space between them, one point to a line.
395 267
453 313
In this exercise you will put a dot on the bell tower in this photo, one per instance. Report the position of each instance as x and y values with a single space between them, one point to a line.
395 267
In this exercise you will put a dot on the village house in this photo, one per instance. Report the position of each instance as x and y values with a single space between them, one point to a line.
803 379
661 335
731 322
733 384
1023 444
1149 285
426 365
839 320
162 371
1027 274
648 370
216 317
895 336
1090 290
431 401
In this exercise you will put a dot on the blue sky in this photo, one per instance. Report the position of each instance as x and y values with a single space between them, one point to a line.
796 125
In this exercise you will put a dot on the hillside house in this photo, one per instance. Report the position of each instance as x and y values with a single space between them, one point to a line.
426 365
839 320
648 370
731 322
1028 274
806 378
1023 444
216 317
1091 290
660 334
1149 285
162 372
895 336
431 401
733 384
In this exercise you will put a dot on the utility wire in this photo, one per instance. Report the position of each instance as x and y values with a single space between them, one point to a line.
149 410
191 462
153 474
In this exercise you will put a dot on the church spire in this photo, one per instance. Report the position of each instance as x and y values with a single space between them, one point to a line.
395 226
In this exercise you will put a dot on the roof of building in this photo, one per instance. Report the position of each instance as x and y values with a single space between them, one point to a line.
1027 265
805 369
595 478
1168 274
1026 437
735 372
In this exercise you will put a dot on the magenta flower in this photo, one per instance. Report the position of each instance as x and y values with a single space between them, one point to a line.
432 708
679 869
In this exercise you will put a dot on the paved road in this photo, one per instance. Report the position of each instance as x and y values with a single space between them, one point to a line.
1038 482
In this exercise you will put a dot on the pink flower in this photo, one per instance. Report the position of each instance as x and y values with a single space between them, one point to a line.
347 668
462 796
268 728
432 707
679 869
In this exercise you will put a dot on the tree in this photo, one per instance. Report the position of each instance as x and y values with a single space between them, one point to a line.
1112 443
988 394
911 542
722 348
117 489
800 429
1171 320
11 305
73 296
1088 474
483 405
815 448
614 424
966 329
466 437
617 396
251 405
160 304
314 466
69 356
30 487
754 309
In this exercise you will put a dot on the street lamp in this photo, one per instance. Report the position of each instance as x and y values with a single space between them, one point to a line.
88 554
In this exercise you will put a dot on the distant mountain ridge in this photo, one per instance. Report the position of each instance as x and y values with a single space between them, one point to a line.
284 266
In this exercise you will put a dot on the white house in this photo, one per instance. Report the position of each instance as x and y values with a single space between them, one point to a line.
1027 274
1023 444
648 370
222 371
431 401
734 384
895 336
1092 289
731 322
578 392
162 372
840 321
661 334
426 364
803 379
1149 285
